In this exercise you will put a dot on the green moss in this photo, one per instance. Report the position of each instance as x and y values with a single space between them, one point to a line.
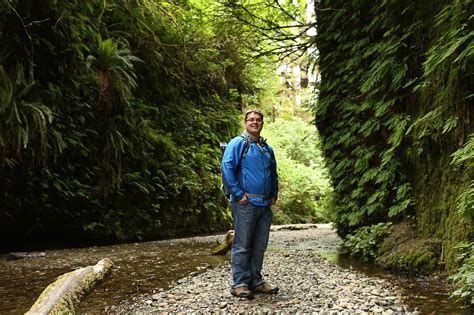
66 298
436 212
416 260
69 302
402 250
48 290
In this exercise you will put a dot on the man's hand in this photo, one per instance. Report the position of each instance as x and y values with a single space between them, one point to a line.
273 200
244 200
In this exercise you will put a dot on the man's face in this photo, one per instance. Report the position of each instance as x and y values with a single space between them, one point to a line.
254 124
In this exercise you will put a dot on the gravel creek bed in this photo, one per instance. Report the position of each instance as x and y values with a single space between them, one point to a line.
308 284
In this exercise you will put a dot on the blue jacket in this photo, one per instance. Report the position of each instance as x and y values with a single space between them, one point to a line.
256 174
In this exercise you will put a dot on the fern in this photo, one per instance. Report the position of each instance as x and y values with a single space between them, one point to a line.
465 203
24 121
465 153
364 242
399 208
450 124
464 276
398 125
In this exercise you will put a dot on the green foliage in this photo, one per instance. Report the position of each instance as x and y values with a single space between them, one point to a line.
456 42
272 28
304 185
264 80
395 117
465 205
364 243
25 122
115 72
362 85
393 112
464 157
464 277
110 117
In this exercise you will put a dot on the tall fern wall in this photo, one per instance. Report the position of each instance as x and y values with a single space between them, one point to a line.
395 113
111 113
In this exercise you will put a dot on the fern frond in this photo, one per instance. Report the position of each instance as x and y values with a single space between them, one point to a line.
465 153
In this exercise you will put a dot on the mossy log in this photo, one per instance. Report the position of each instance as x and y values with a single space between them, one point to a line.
224 247
65 294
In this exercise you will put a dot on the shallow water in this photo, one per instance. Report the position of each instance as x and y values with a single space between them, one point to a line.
140 268
427 295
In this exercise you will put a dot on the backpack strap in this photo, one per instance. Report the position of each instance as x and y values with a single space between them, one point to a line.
244 151
246 148
262 142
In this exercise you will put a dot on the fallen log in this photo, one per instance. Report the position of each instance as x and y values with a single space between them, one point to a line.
294 227
65 294
23 255
224 247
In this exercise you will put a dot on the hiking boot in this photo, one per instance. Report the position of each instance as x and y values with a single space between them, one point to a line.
243 292
265 288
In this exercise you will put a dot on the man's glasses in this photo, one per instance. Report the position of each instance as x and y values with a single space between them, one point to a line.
259 120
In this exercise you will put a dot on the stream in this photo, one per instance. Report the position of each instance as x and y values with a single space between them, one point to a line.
141 268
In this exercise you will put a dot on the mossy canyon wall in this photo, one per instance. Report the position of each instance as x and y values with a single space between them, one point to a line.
395 114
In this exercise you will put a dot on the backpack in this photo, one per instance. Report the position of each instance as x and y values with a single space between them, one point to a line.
223 145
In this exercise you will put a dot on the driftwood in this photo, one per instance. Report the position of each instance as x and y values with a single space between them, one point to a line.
302 226
23 255
65 294
224 247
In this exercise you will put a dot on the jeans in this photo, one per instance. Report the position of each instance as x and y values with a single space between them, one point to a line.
252 230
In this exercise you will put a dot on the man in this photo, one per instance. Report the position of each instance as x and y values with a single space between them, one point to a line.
249 170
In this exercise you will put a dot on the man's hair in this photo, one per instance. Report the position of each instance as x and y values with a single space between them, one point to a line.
256 111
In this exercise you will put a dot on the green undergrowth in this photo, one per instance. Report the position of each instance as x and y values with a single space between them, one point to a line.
365 242
464 277
304 186
395 247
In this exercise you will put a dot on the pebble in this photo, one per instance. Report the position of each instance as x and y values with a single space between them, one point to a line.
308 284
